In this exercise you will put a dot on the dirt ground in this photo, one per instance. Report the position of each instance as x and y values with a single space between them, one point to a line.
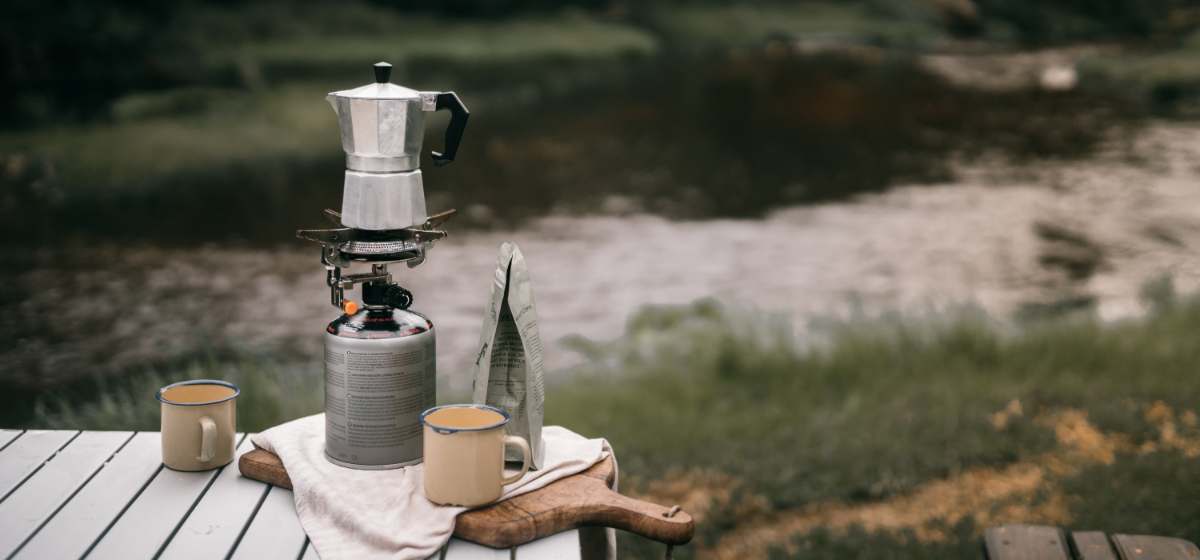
1026 491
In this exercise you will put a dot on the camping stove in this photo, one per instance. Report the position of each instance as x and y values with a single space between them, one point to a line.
380 372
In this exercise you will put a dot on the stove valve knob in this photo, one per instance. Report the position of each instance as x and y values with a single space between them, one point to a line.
397 297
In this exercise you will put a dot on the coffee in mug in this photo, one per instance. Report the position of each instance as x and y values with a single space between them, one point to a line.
464 454
199 422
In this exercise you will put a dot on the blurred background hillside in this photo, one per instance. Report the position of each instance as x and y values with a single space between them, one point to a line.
916 248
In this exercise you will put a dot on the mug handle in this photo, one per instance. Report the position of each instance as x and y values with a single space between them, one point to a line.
208 439
525 458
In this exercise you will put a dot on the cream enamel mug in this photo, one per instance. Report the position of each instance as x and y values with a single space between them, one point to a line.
199 421
464 454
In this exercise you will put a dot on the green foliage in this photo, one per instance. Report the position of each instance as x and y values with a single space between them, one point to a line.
1046 21
526 40
876 410
69 59
1150 494
72 60
708 25
1167 80
271 393
490 8
715 391
859 543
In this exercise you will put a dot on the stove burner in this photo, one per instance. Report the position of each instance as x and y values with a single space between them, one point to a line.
378 251
343 244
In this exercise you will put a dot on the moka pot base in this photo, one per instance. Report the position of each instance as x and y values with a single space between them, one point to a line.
383 201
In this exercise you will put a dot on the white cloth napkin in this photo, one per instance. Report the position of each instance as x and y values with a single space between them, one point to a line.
349 513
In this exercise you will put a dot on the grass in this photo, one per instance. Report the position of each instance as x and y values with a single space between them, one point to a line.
882 411
873 416
879 410
271 393
526 39
1168 80
234 128
741 25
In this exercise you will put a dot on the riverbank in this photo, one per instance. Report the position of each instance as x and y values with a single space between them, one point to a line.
1018 241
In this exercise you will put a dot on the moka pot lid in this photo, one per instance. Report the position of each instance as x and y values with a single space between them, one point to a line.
381 89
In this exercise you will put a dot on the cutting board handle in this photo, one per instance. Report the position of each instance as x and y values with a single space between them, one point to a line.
653 521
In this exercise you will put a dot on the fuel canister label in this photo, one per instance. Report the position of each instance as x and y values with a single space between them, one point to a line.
373 402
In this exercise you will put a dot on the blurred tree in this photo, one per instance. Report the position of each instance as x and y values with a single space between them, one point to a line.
68 58
489 8
1046 21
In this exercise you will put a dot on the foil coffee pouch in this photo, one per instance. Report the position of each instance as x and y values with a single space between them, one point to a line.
508 365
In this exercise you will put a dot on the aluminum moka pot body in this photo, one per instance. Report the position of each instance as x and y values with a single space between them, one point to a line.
383 127
382 134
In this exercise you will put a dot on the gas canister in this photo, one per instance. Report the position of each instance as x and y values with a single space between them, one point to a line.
379 376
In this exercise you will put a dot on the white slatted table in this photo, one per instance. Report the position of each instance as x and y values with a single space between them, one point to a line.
69 494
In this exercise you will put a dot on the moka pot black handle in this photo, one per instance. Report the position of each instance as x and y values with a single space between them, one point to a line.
454 131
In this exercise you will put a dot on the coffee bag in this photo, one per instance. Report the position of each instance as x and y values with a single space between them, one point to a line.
508 366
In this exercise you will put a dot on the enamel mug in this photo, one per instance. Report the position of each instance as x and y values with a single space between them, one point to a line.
464 454
199 420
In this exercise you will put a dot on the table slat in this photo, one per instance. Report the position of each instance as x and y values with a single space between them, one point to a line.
310 553
214 525
275 531
77 525
1092 545
559 546
1149 547
8 435
42 494
154 515
463 550
27 453
1025 542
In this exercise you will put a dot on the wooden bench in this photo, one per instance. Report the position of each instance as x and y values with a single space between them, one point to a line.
1043 542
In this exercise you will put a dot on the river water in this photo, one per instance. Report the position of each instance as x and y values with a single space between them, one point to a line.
1001 236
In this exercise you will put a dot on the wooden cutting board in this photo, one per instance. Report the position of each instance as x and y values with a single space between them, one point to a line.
581 500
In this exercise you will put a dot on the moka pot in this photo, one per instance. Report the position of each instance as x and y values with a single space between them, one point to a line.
382 126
